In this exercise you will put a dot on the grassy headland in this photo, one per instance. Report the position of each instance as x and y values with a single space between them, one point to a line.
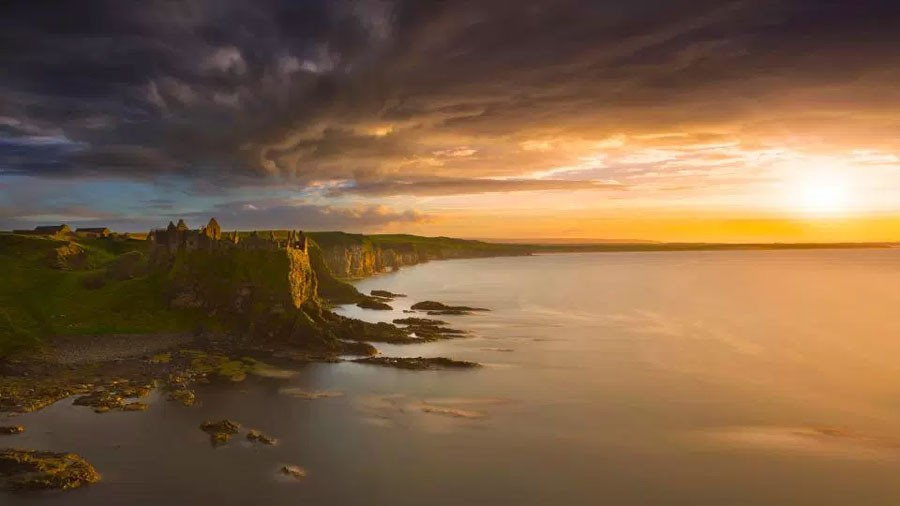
54 287
78 286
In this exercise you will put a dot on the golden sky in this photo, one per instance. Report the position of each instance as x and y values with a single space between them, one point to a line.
688 120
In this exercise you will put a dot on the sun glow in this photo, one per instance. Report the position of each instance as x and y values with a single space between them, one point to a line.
823 192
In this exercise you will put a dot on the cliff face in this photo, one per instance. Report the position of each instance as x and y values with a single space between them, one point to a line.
358 256
359 261
242 282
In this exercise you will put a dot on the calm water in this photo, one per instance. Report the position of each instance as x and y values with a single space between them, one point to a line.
696 378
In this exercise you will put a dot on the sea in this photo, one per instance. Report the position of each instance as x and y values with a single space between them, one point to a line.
756 378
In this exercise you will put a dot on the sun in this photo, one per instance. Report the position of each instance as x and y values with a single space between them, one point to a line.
824 197
820 193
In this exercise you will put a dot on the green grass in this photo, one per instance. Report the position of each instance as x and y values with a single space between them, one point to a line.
38 301
415 242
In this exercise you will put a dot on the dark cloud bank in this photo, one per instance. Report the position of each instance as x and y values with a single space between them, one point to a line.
418 97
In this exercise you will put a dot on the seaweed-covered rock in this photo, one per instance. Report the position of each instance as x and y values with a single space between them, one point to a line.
114 395
26 394
258 437
101 400
11 430
374 304
220 432
294 472
418 363
184 396
31 470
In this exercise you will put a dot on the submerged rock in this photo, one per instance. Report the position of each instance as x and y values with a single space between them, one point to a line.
220 432
31 470
418 363
374 304
258 437
439 308
135 406
12 429
309 395
294 472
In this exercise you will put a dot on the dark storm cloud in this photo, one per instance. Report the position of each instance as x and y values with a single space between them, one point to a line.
376 94
285 213
460 186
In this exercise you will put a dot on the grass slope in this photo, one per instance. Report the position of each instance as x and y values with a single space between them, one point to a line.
39 301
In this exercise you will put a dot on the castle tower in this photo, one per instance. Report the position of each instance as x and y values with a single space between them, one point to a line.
182 226
213 230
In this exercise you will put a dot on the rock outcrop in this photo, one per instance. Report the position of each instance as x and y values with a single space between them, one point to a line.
32 470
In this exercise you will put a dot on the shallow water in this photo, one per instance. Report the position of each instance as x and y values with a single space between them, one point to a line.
677 378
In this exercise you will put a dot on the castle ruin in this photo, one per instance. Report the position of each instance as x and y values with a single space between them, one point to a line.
177 238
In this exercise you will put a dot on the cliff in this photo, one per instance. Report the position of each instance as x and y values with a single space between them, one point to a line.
356 256
242 282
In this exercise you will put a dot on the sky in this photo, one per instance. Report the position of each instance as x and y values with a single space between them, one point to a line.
677 120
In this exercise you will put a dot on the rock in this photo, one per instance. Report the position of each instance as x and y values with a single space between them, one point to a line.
428 329
373 304
113 396
418 321
127 266
430 305
101 400
26 394
357 348
31 470
258 437
358 330
135 406
11 429
294 472
418 363
184 396
384 294
69 256
220 432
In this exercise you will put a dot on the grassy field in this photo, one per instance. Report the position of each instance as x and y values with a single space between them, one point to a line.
105 290
406 241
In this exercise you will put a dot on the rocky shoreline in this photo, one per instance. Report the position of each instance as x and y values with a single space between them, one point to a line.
118 373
